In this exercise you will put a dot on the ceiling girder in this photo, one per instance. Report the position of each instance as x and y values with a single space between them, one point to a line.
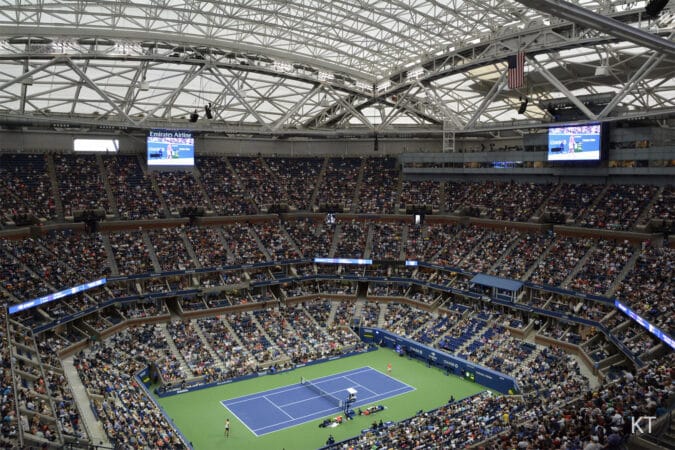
638 76
587 18
563 89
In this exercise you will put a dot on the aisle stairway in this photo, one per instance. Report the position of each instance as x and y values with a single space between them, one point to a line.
97 435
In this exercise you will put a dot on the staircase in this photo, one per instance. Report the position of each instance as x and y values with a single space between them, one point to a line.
200 185
261 247
357 189
205 343
369 242
287 236
190 249
174 350
114 270
578 267
443 200
162 200
336 240
51 169
537 214
319 181
626 269
644 216
534 266
151 251
112 201
237 178
404 239
80 396
331 315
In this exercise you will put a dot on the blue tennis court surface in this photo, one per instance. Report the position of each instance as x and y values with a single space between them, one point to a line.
276 409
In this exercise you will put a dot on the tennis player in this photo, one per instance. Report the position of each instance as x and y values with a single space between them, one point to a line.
227 427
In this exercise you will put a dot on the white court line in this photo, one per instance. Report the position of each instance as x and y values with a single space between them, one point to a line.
403 383
277 407
222 402
364 400
360 385
248 398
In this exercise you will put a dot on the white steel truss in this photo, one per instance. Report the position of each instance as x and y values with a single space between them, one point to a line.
313 66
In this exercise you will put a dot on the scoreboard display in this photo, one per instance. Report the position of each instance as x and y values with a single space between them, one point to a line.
170 148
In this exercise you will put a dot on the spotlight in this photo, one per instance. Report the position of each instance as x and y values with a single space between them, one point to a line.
207 111
194 116
523 105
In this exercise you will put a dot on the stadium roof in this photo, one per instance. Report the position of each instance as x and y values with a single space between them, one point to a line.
316 66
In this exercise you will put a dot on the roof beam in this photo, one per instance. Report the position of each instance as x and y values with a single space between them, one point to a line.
86 80
562 88
494 91
653 61
296 107
595 21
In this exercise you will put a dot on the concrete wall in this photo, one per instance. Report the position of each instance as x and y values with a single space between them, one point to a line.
17 141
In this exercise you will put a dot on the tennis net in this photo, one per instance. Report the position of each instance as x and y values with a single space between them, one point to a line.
321 392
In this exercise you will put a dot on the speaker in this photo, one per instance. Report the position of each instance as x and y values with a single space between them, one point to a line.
523 106
654 7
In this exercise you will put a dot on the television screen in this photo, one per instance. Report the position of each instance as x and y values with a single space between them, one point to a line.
96 145
170 148
574 143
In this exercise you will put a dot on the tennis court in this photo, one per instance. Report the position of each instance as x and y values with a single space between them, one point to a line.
284 407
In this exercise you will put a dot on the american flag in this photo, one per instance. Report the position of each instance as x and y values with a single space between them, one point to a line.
516 70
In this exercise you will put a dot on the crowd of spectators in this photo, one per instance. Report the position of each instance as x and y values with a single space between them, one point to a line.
424 242
457 244
180 190
243 247
563 256
498 200
420 193
455 425
130 252
129 418
65 258
262 187
9 428
228 197
619 208
238 185
644 286
81 184
25 187
662 208
572 200
16 279
225 345
380 186
602 267
339 182
352 243
276 241
522 256
489 250
208 245
191 347
386 243
313 236
169 247
299 176
131 188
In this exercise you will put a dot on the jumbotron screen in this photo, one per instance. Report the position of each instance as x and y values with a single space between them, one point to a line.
170 148
575 143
